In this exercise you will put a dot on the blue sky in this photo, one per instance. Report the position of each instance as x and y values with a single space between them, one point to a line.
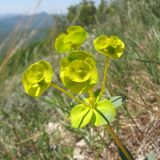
29 6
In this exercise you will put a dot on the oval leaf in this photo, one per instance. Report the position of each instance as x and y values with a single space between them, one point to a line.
81 115
117 101
151 156
105 108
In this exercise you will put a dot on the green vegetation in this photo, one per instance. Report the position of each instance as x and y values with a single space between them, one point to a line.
86 12
29 127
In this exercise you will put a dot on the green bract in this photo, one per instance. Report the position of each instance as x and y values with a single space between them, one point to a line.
111 46
78 71
82 114
107 109
117 101
72 40
37 78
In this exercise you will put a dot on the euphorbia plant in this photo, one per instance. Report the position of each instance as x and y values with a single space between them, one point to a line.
79 75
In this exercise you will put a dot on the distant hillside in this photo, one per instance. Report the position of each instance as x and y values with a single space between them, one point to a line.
37 22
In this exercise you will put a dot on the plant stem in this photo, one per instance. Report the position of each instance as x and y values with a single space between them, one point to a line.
117 141
92 98
68 94
115 137
104 78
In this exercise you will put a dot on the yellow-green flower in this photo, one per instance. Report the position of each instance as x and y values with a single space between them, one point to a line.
37 78
72 40
78 71
111 46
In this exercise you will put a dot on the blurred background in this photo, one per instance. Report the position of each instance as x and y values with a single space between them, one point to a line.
39 129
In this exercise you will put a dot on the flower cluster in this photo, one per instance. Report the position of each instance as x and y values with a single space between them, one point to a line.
78 71
111 46
78 74
72 40
37 78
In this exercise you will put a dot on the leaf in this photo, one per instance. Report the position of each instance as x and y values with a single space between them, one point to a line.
121 154
106 108
151 156
117 101
81 115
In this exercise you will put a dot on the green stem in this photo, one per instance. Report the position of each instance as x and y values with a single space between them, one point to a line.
104 78
92 98
115 137
117 141
68 94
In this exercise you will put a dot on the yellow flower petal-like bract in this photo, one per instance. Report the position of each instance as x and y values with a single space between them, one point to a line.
78 71
72 40
37 78
111 46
